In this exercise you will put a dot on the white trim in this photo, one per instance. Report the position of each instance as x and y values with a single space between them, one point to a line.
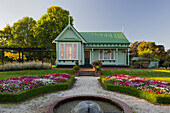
112 50
69 26
64 50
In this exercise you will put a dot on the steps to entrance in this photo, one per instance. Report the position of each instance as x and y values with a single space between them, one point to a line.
86 73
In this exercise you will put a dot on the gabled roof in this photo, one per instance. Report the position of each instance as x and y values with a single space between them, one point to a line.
69 26
104 37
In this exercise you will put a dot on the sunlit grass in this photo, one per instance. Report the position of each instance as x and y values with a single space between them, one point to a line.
160 78
167 71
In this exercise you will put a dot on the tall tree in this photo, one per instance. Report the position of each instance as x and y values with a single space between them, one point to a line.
50 25
6 36
133 49
147 48
168 51
22 31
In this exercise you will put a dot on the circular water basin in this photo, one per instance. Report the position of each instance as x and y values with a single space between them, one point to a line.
106 104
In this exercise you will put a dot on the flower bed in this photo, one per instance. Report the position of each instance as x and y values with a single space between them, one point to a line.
153 90
20 88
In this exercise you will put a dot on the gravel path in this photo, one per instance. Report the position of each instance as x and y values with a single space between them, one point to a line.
83 85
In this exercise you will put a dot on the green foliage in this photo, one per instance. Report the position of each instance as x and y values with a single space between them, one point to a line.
152 97
147 50
168 51
76 68
133 49
97 68
24 66
97 65
22 31
20 96
166 64
142 64
137 64
6 36
50 25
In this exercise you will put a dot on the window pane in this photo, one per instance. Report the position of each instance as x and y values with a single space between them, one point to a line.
101 54
61 51
75 51
68 51
106 54
112 55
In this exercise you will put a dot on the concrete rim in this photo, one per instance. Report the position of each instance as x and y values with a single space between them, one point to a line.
117 102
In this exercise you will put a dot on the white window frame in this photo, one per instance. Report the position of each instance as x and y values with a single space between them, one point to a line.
64 50
112 50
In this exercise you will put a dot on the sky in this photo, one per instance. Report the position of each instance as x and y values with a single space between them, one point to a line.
143 20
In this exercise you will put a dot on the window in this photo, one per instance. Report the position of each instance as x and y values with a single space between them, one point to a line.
68 51
106 54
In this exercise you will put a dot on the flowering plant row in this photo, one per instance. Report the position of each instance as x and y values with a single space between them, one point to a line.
156 86
27 82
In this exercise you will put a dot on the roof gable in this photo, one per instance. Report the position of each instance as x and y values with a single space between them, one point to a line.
69 34
104 37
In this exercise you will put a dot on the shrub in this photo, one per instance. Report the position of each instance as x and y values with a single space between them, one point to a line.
137 64
144 64
24 66
76 68
97 63
97 68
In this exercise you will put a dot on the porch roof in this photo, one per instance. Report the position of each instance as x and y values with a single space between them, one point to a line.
104 37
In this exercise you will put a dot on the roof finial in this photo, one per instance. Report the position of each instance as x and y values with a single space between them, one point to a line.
123 29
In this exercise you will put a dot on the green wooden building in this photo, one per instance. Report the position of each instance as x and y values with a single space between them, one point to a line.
85 47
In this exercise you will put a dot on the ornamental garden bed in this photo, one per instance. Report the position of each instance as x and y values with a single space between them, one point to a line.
21 88
154 91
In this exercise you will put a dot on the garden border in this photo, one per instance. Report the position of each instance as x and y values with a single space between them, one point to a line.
159 99
15 98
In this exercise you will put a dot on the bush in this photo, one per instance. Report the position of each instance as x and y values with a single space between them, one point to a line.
137 64
97 63
20 96
76 68
145 64
150 96
24 66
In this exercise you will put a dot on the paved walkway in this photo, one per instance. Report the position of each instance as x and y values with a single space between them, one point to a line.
84 85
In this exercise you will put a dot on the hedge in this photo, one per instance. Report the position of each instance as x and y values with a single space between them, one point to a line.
150 96
20 96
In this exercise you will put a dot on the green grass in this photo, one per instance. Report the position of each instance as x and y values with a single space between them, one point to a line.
146 73
160 78
12 74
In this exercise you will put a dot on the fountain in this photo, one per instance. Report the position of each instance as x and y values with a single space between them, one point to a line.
87 107
88 104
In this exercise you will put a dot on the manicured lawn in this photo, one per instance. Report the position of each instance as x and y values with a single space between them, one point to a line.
146 73
11 74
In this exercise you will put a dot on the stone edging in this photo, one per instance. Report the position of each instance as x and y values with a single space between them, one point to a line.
117 102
